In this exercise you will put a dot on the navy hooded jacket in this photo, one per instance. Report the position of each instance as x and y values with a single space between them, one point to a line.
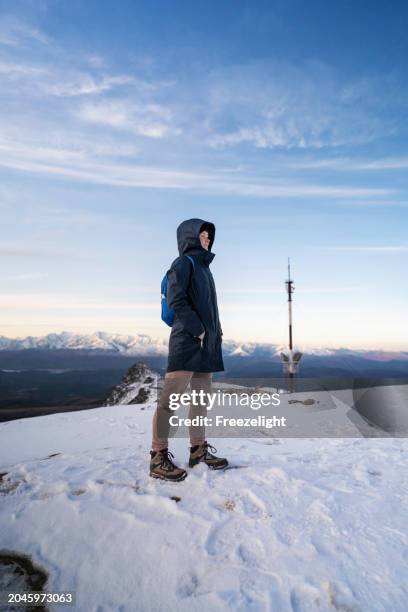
191 294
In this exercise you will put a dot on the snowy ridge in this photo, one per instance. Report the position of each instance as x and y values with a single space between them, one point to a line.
304 525
137 386
98 341
143 344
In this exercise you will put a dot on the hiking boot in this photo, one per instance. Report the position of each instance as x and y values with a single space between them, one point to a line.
201 453
162 466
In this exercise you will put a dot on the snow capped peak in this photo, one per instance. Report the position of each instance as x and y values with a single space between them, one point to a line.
247 349
98 341
239 352
145 345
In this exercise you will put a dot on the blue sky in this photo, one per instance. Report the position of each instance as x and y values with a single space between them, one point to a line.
284 123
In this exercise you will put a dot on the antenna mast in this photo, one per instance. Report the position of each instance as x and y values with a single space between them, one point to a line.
290 360
290 288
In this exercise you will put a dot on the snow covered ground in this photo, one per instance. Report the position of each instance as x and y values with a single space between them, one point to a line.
303 525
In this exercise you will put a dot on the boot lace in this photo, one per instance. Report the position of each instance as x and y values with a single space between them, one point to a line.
206 447
167 460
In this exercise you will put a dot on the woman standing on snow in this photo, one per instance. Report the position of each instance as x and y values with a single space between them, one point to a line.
194 346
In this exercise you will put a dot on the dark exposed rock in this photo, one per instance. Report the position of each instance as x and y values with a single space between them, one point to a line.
136 387
141 397
19 574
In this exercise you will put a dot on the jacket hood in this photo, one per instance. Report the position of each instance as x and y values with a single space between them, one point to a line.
188 236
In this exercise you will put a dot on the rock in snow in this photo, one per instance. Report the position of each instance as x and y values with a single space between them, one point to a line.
137 386
306 525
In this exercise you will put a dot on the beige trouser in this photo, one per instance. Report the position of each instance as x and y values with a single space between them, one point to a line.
177 382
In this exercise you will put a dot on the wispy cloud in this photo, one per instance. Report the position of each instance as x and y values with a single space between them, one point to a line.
352 165
23 252
272 105
264 104
374 249
46 301
74 148
13 70
48 79
78 167
279 289
86 85
387 203
151 120
14 33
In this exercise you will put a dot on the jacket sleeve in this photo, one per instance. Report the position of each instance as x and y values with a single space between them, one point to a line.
177 297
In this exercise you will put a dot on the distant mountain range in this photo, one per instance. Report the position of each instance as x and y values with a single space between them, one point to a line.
141 344
43 374
145 345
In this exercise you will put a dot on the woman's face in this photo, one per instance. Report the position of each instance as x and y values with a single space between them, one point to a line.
204 240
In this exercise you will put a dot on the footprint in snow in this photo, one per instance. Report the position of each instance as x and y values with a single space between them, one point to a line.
219 539
326 596
46 491
10 485
188 586
134 486
252 553
247 504
78 492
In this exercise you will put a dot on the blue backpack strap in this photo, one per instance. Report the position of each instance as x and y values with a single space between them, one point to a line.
167 314
191 259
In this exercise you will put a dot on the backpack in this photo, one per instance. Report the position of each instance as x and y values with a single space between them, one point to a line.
167 314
